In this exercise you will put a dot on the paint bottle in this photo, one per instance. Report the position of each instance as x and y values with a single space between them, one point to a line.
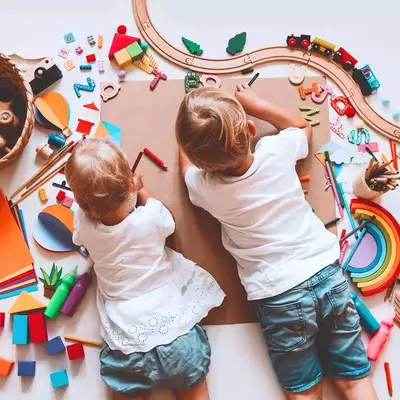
61 294
376 344
56 141
76 295
368 321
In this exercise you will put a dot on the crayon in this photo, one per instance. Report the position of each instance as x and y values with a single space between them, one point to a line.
254 78
84 341
155 158
388 379
138 158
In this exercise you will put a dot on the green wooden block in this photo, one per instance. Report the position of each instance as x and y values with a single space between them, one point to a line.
135 51
236 44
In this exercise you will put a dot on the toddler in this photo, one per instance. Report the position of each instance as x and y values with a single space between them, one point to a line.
286 259
150 298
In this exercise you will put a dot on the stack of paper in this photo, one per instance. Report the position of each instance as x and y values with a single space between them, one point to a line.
16 262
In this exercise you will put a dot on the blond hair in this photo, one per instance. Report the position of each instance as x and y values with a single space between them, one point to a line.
99 175
211 128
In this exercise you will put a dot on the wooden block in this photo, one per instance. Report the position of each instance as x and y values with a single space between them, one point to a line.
123 58
26 368
67 202
75 351
20 329
37 328
55 345
59 379
2 319
5 366
69 64
135 51
24 303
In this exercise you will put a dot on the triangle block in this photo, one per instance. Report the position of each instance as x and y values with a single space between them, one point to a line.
24 303
119 42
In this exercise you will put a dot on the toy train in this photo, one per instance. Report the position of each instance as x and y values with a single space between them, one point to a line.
364 77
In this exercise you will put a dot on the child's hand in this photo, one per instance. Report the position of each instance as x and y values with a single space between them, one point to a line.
248 99
137 181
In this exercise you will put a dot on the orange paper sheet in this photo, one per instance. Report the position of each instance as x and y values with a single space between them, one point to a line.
15 257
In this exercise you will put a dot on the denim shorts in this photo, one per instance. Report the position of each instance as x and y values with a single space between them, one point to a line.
313 330
180 365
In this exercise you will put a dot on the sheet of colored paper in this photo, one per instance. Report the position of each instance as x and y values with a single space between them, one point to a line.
30 289
14 253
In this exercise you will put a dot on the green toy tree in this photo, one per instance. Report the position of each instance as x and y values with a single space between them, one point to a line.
236 44
193 47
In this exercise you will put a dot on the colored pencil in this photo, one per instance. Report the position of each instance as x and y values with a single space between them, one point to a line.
254 78
335 191
343 250
347 208
352 232
393 150
41 182
343 233
332 222
371 153
354 249
388 379
51 162
84 341
334 182
138 158
156 159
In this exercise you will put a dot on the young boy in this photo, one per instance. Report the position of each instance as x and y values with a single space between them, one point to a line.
287 260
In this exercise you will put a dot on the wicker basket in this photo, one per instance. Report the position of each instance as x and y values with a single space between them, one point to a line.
11 73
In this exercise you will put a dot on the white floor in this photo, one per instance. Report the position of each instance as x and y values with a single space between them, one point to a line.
240 365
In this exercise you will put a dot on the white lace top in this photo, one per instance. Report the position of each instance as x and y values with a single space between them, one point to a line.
148 294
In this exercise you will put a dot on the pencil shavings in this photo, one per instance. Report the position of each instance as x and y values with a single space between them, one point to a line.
349 154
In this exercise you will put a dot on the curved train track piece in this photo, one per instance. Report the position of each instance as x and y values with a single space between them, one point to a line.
262 56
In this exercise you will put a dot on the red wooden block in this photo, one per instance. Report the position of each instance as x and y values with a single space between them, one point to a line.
67 202
2 319
60 195
91 58
75 351
37 328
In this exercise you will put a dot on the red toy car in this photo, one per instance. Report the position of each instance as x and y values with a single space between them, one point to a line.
346 60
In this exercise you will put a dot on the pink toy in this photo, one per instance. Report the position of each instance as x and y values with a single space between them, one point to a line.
378 341
321 98
205 80
121 74
100 65
79 50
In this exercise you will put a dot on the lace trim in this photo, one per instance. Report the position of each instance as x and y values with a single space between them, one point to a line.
204 296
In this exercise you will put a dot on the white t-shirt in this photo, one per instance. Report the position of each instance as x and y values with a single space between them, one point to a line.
148 294
267 225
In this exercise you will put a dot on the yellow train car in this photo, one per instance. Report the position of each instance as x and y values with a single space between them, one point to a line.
323 47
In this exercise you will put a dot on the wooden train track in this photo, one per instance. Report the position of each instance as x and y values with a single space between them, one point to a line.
262 56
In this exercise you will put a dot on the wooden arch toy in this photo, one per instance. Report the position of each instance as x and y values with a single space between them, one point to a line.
262 56
384 269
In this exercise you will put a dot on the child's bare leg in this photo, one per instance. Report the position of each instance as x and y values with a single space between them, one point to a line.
356 389
198 392
146 396
314 393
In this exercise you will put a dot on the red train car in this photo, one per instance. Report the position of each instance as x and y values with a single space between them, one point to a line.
346 60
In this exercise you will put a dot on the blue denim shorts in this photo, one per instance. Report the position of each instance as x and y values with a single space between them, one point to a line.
313 330
180 365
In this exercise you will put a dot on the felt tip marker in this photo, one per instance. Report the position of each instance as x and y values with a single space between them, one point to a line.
156 159
254 78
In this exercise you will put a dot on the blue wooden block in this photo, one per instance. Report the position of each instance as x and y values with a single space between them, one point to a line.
26 368
55 345
59 378
69 38
20 329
